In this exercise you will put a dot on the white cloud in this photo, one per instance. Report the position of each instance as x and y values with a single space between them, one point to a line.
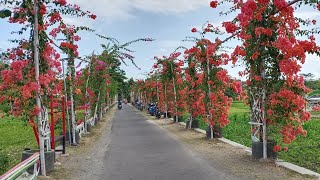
114 10
169 6
78 21
312 65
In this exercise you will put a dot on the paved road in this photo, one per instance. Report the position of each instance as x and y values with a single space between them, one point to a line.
140 150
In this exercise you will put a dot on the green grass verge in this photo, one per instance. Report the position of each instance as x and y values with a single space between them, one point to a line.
304 151
315 92
315 113
15 136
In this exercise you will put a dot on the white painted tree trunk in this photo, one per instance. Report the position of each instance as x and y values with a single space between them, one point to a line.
72 109
86 100
175 96
38 101
165 97
66 100
209 93
73 116
264 126
96 108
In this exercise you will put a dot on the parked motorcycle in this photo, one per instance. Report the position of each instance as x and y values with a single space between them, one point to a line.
157 113
152 109
119 106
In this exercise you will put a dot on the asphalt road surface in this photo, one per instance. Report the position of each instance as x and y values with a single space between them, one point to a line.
140 150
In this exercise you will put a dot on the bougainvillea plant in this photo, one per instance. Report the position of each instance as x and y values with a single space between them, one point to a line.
170 69
103 75
31 78
274 45
209 80
19 79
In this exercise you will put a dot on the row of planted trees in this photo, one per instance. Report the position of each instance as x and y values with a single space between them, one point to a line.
272 44
34 75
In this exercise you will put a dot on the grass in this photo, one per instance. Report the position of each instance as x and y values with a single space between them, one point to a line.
239 129
80 115
304 151
16 135
315 113
315 92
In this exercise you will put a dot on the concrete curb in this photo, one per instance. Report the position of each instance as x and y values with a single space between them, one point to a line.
200 130
278 162
182 123
296 168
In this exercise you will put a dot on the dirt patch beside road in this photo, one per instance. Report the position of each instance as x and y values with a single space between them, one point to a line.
232 159
86 160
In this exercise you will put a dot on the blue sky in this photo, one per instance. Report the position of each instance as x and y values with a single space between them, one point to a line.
167 21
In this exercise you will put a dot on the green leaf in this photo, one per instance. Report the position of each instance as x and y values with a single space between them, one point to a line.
5 13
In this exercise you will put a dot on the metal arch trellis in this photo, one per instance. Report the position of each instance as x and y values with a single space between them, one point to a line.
257 114
45 128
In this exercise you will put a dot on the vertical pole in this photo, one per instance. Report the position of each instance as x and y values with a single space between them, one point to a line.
64 124
86 99
264 127
96 108
73 115
175 96
165 97
209 93
100 113
72 109
52 123
66 100
37 72
145 100
158 98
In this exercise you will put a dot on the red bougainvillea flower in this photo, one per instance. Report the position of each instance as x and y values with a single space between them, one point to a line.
280 4
277 148
213 4
92 16
249 7
194 30
61 2
230 27
55 17
318 6
263 1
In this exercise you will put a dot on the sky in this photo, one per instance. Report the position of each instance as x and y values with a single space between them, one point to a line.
166 21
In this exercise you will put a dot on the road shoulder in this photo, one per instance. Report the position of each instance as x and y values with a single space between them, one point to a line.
234 160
